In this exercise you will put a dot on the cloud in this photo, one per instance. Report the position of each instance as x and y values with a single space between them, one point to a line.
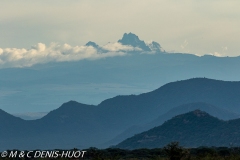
184 45
220 54
206 27
40 53
40 47
216 54
114 47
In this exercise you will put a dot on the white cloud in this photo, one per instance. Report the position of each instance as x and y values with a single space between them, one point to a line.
216 54
206 27
114 47
223 53
184 45
40 53
40 47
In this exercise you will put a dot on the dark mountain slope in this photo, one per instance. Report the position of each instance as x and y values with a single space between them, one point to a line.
68 115
218 93
10 124
210 109
6 117
119 113
196 128
10 128
76 124
71 125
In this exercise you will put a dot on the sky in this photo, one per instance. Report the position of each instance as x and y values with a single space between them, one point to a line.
186 26
41 31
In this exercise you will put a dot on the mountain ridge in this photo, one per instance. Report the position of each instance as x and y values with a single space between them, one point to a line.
192 129
97 124
130 39
133 40
208 108
136 73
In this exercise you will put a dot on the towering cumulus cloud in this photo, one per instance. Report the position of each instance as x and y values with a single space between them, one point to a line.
40 53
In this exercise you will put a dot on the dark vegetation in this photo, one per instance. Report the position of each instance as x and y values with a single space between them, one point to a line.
172 151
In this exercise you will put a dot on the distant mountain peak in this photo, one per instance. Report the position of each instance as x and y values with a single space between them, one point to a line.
197 113
203 130
130 39
154 46
93 44
200 113
133 40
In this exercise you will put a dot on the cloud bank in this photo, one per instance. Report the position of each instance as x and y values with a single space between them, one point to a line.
115 47
40 53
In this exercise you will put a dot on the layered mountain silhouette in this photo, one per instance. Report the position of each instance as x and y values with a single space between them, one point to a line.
212 110
44 87
79 125
193 129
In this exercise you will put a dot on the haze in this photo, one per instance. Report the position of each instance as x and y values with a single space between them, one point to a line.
198 27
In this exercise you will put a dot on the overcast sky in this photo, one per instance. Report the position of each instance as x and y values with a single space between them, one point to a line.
194 26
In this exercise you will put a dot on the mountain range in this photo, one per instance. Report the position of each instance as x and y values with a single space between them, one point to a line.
132 40
44 87
80 125
192 129
219 113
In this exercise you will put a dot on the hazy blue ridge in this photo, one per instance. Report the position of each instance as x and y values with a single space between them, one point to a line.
80 125
193 129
